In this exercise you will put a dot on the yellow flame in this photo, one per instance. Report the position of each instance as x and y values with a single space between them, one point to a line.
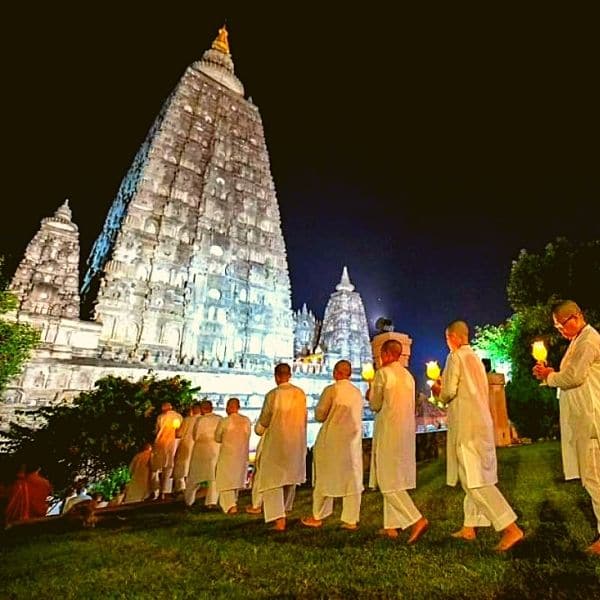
368 372
539 351
433 369
176 423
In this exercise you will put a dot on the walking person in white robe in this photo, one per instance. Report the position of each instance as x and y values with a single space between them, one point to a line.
282 461
337 453
183 454
163 449
393 459
233 433
205 452
140 485
579 382
471 448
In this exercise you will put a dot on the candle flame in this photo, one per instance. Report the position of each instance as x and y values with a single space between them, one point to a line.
539 351
176 423
433 369
368 372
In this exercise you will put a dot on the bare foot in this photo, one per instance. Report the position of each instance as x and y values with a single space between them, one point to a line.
311 522
594 548
349 526
390 533
253 510
465 533
418 529
233 510
279 524
511 536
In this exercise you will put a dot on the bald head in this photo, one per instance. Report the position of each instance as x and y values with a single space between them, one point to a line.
565 308
457 334
233 406
342 370
282 373
206 406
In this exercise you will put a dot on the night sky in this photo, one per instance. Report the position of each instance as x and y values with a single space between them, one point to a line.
422 150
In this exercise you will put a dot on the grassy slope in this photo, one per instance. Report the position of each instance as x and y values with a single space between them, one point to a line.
174 554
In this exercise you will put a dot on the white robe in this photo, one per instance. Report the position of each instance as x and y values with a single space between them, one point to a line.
184 449
337 453
579 383
233 433
470 428
206 450
282 460
165 443
393 457
140 485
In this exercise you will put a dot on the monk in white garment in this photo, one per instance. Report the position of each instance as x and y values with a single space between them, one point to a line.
337 453
282 461
393 459
163 450
579 382
471 448
233 433
205 452
256 507
140 484
183 454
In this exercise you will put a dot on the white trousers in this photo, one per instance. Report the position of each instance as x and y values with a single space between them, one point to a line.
212 495
162 481
485 505
257 497
228 499
590 477
277 501
179 484
323 507
399 511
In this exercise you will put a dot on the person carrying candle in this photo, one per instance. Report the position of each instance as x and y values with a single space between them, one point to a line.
579 382
471 449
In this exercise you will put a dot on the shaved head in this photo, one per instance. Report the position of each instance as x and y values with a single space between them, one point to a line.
233 406
459 328
393 348
565 308
342 369
282 373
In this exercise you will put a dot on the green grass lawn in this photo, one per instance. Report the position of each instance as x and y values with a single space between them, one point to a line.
171 553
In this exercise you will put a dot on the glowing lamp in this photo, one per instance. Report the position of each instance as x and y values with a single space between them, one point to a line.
432 369
539 352
176 423
368 372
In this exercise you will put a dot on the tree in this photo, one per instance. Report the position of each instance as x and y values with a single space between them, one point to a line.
562 270
17 340
101 430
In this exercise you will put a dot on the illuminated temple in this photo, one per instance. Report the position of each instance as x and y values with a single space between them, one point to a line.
189 274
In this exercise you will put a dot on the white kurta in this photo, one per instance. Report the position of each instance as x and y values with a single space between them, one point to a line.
140 486
470 428
393 457
233 433
337 453
165 443
184 449
282 459
206 450
579 383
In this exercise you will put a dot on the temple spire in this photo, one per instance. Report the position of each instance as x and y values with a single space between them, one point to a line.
221 42
345 285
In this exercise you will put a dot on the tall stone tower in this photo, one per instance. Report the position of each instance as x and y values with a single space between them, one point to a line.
306 331
345 331
191 264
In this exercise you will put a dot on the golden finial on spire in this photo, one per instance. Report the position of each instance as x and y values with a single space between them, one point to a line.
221 42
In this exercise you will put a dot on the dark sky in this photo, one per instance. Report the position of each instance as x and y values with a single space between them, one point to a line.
422 149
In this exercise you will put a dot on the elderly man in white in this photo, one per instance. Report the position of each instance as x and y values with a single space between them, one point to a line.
579 382
471 449
205 452
163 449
233 433
337 453
282 461
183 455
393 459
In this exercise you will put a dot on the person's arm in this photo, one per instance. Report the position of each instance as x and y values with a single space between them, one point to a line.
450 378
376 389
577 369
266 412
325 403
219 431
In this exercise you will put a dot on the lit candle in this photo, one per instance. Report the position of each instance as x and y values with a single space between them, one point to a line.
433 369
539 351
176 423
368 372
